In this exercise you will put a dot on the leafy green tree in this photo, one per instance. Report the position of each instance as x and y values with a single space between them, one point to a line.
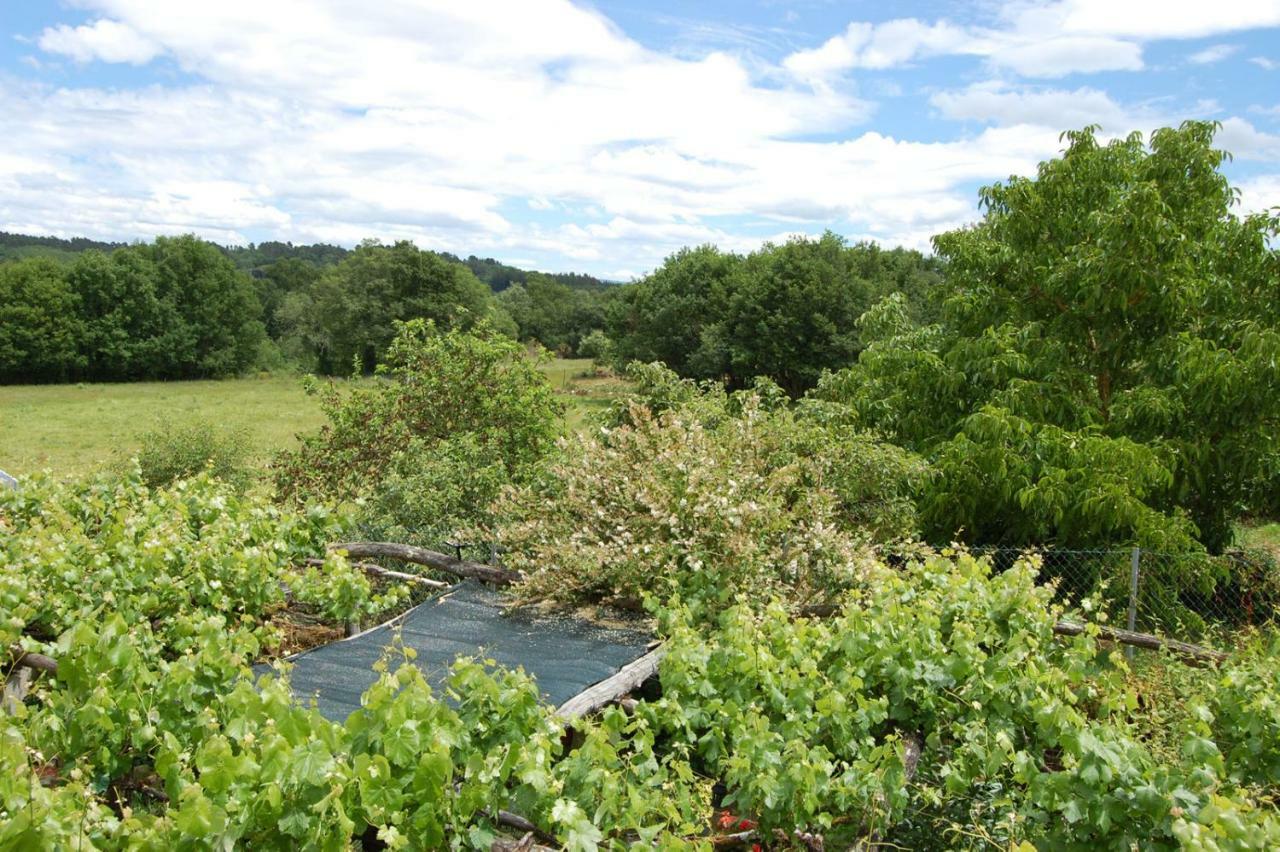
785 311
40 325
1106 363
352 309
218 328
277 282
792 313
663 317
125 318
553 313
597 346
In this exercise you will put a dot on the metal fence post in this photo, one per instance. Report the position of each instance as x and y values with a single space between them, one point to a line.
1134 567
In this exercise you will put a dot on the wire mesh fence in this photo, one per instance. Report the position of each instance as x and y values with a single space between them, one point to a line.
1195 597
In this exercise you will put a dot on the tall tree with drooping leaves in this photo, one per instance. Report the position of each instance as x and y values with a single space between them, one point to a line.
1107 360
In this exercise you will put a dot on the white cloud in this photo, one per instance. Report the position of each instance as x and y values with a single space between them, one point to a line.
1213 53
1039 39
884 45
1147 19
1058 56
1260 194
1264 63
446 123
1006 105
998 102
1246 142
107 40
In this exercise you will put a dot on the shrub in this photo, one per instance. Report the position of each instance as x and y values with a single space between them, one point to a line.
451 416
715 495
171 452
597 346
1025 740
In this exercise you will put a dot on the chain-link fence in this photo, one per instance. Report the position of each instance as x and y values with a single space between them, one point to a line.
1195 597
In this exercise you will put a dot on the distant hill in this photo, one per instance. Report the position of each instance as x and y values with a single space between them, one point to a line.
13 246
499 276
256 258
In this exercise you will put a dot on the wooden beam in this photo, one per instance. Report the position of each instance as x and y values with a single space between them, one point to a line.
1185 650
627 679
430 558
379 571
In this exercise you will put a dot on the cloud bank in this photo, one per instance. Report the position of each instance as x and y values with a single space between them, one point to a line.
540 130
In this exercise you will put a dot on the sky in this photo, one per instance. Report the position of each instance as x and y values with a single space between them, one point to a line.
595 137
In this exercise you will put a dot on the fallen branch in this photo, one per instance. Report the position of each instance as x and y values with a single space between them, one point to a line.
1144 640
627 679
39 662
379 571
524 844
507 819
430 558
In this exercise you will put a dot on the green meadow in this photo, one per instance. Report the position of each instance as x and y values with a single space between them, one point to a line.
75 429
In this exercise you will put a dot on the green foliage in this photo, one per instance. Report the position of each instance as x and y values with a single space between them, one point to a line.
277 283
39 323
597 346
153 734
1105 362
554 314
792 312
452 417
703 495
171 452
349 314
663 316
1024 738
785 311
174 309
168 558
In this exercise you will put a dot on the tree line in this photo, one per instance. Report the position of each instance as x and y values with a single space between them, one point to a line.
173 309
183 308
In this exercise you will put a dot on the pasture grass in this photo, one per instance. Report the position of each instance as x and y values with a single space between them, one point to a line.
1260 535
73 430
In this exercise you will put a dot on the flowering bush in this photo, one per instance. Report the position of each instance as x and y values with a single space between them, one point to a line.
713 496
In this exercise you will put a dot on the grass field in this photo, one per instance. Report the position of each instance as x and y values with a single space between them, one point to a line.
1263 536
75 429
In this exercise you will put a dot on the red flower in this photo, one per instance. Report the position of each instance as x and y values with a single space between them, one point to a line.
727 819
755 847
745 824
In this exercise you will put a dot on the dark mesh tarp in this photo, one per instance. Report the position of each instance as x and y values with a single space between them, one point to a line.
565 655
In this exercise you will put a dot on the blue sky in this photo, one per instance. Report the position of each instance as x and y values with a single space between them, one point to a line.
594 137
